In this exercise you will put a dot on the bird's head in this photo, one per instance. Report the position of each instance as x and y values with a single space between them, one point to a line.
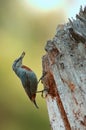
18 62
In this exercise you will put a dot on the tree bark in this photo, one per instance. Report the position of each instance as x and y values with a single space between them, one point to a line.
65 79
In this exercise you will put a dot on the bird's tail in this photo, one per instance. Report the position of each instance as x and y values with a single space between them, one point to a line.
35 104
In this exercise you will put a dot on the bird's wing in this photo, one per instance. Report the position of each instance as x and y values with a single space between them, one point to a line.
27 86
29 90
30 79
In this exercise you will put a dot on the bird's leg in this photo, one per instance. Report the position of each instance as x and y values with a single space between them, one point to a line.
42 77
45 89
42 91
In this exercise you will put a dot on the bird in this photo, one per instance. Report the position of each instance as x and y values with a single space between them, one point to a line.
28 78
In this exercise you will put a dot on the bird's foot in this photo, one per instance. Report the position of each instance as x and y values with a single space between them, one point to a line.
45 90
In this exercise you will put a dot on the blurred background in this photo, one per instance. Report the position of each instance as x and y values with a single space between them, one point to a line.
26 25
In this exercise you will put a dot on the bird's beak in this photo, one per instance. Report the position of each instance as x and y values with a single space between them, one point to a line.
22 55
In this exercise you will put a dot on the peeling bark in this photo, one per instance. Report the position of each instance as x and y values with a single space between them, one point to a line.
65 79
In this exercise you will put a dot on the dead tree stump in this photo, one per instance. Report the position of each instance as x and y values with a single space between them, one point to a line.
65 79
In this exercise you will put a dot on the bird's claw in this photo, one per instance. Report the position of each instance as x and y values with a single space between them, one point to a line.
42 91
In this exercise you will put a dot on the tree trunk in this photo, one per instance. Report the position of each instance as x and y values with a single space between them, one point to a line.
65 79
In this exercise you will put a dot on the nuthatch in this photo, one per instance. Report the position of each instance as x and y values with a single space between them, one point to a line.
27 77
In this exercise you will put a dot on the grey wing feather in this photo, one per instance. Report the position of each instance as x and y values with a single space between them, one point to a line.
30 84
